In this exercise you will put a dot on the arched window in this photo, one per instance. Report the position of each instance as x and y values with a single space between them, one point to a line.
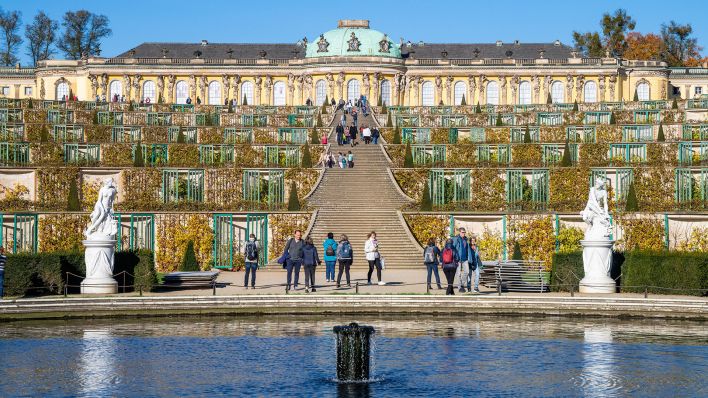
115 88
643 91
428 94
557 94
459 89
353 90
214 93
149 91
385 92
524 93
181 92
247 93
62 91
493 93
279 94
320 92
590 92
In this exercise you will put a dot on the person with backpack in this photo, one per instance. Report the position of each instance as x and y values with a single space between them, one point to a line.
294 258
345 257
371 249
464 253
250 254
432 256
330 256
310 259
449 265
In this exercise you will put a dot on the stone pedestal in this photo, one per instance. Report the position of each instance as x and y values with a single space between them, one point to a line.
597 262
99 257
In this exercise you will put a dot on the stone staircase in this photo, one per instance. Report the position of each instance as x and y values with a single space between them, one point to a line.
356 201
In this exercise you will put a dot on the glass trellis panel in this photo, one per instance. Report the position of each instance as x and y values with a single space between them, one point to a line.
68 133
271 156
182 107
595 174
629 153
514 187
694 132
301 120
653 116
12 115
623 178
684 182
452 135
638 133
257 224
183 185
646 105
586 134
307 110
483 153
597 117
508 119
454 120
12 132
292 135
427 155
159 119
292 156
437 186
135 232
233 135
550 119
406 121
110 118
697 103
266 109
567 107
415 135
517 134
461 180
126 133
552 153
477 134
21 237
14 153
276 187
82 153
251 185
153 154
539 188
224 241
703 186
685 153
190 134
216 154
499 154
703 152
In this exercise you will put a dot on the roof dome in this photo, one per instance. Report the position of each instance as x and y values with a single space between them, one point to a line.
352 38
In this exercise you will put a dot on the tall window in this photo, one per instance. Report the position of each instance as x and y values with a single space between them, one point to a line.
643 91
557 93
590 92
459 89
428 94
214 93
524 93
385 92
181 92
62 91
149 91
279 94
353 90
247 93
493 93
320 92
115 88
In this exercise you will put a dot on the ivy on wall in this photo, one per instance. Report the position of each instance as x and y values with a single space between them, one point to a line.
174 231
47 154
118 154
552 133
211 135
526 155
426 226
183 155
498 135
89 194
696 241
592 154
490 245
535 236
96 133
569 239
141 189
61 232
654 188
488 191
411 181
461 155
396 153
53 187
564 187
15 198
282 227
639 232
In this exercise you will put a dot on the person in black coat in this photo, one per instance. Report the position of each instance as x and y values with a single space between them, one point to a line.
352 134
340 134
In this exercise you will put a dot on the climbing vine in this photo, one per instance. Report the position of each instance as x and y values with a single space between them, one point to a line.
173 233
639 233
424 227
282 227
61 232
535 236
488 190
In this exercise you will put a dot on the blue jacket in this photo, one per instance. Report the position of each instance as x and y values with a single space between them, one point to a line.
477 260
457 241
310 256
437 255
327 243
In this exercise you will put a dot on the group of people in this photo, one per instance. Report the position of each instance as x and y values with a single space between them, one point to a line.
460 262
341 160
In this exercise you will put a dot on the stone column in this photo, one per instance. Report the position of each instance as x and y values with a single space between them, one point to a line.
340 85
569 88
268 85
235 86
138 87
502 90
226 84
536 86
471 88
448 88
438 90
601 85
257 90
482 85
94 86
203 89
171 79
160 88
377 86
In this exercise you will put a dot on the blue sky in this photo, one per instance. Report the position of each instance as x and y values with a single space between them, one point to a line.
134 22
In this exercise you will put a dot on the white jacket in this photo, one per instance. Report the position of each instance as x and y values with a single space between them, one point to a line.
371 249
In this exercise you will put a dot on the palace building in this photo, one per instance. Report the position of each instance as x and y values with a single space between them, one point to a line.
348 61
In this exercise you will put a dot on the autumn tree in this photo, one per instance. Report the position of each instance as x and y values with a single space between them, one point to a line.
83 32
9 26
41 35
639 46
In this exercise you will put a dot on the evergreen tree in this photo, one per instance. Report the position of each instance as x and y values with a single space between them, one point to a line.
527 135
94 117
517 252
189 260
73 203
230 109
499 122
389 122
441 103
636 96
397 135
314 139
426 203
660 137
463 102
245 101
575 106
565 160
293 201
181 139
384 109
612 118
306 157
319 120
549 99
138 159
30 105
130 106
632 204
478 109
674 104
160 100
408 159
44 134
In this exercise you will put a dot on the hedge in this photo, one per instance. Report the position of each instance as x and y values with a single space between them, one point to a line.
45 273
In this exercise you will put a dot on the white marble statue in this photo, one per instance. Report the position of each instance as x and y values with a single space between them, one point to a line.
100 243
596 213
597 246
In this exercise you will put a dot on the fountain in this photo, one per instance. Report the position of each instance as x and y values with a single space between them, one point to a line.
353 346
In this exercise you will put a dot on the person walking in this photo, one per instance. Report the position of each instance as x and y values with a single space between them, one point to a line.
250 254
464 255
477 266
350 160
294 262
375 134
3 260
371 250
330 160
366 135
345 257
352 134
330 256
432 256
449 265
340 134
347 136
310 259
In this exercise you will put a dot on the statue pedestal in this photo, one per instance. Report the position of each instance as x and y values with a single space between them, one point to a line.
99 257
597 262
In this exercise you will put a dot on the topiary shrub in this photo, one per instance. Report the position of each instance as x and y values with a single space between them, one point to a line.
181 139
660 137
463 102
527 135
549 99
306 157
575 106
565 160
293 201
674 104
245 101
426 204
73 202
632 204
612 118
189 260
499 122
389 122
396 136
138 159
517 252
687 273
636 96
566 268
477 109
408 158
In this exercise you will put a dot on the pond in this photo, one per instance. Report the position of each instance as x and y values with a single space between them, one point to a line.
295 356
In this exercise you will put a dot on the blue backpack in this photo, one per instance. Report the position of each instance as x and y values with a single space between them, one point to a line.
346 252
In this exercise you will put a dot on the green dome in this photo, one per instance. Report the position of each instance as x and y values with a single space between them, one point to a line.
351 39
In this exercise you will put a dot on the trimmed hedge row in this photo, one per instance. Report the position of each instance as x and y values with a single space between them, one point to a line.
45 273
685 272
